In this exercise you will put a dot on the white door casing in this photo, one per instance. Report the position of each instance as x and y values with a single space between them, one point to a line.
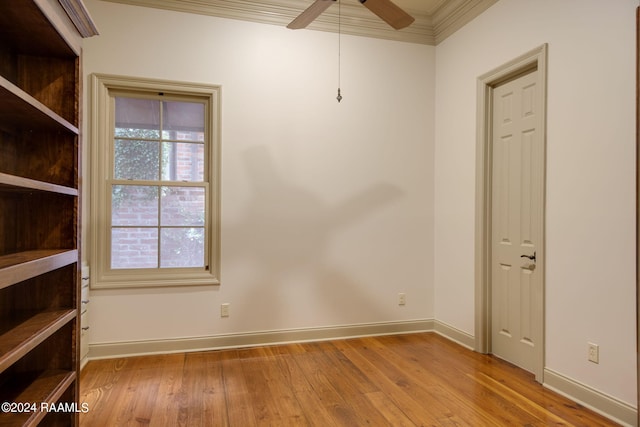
510 211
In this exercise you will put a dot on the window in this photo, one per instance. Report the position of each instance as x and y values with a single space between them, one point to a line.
155 183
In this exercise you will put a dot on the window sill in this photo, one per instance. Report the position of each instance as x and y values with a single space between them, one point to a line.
167 280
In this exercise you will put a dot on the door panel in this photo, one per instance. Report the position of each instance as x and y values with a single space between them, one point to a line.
517 165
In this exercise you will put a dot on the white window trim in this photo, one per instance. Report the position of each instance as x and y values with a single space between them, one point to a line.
102 276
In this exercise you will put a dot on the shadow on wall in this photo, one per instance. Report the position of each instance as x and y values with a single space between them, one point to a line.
282 244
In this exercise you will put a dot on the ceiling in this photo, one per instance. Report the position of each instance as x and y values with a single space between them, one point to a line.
425 6
435 19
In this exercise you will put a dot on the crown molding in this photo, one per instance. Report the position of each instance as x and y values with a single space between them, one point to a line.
354 20
80 17
453 15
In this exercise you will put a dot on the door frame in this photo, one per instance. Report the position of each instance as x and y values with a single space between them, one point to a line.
534 59
638 209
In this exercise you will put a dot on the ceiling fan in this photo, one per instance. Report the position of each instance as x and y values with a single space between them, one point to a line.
385 9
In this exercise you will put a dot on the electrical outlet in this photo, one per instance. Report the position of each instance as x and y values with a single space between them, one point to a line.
224 310
594 353
402 299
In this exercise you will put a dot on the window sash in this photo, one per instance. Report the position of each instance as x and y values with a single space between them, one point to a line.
159 224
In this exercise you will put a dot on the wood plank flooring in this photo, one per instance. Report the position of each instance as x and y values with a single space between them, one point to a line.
398 380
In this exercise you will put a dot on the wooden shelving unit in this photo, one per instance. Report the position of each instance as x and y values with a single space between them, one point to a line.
40 90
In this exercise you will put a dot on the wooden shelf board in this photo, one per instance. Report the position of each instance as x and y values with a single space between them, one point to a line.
24 26
25 336
15 268
18 108
48 387
17 183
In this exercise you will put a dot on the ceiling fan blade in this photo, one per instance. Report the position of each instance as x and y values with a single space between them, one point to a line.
311 13
389 12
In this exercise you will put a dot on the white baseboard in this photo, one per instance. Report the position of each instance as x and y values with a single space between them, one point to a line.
454 334
177 345
591 398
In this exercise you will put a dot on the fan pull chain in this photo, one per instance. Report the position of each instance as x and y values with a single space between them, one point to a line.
339 97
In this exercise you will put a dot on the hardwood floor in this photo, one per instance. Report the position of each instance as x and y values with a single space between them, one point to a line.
399 380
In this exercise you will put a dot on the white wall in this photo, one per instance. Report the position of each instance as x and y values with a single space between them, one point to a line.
590 221
327 208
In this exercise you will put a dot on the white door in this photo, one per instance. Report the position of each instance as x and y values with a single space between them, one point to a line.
516 223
